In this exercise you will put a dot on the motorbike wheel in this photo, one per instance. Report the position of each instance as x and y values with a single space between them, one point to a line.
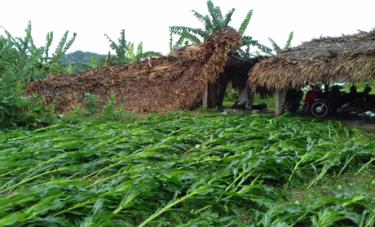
319 109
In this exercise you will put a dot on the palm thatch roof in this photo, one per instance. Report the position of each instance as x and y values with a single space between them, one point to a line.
155 85
350 58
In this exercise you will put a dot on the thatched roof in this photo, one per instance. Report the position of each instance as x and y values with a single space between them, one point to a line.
350 58
163 84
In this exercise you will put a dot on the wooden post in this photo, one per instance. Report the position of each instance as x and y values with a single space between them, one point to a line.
210 96
279 101
205 97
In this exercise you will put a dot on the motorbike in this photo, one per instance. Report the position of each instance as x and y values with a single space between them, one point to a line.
334 102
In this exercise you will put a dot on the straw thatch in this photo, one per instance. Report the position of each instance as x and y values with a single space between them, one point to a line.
155 85
349 58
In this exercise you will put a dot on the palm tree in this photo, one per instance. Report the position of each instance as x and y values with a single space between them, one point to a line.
126 52
277 48
212 23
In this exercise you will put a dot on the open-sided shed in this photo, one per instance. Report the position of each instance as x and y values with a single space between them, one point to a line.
348 58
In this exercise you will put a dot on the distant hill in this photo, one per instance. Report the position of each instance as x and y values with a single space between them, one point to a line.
81 61
81 57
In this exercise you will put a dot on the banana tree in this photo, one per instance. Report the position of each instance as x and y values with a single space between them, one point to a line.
214 22
126 53
277 48
34 63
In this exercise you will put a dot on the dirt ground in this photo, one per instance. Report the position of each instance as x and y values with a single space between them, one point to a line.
361 125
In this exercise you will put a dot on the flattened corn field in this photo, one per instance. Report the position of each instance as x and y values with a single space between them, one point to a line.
179 169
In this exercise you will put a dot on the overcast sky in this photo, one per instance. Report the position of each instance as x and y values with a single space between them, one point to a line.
148 20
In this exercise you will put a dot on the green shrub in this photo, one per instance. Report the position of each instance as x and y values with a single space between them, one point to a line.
29 112
232 95
94 111
92 104
112 112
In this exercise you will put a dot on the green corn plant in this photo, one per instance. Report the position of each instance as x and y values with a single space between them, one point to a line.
125 51
205 169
